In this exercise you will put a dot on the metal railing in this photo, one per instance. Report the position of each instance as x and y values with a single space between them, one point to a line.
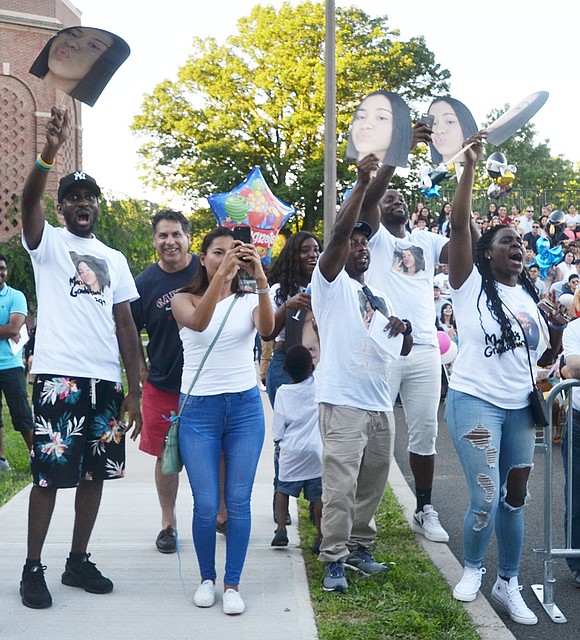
545 591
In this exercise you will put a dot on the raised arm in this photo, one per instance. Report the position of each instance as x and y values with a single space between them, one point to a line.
57 132
370 211
334 256
460 245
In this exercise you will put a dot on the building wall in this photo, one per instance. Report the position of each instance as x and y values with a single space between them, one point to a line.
26 101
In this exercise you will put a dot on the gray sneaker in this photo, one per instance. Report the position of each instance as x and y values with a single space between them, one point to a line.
362 561
334 579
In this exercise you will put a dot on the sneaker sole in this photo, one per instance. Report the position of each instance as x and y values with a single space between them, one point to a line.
30 605
462 597
526 621
71 581
338 589
417 528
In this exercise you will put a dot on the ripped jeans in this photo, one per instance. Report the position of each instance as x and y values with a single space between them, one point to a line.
490 442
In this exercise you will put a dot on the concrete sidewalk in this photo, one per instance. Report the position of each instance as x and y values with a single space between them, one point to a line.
153 595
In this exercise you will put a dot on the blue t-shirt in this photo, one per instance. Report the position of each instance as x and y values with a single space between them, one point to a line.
152 311
11 301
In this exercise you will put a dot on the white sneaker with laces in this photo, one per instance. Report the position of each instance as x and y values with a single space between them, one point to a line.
426 522
466 589
232 602
205 594
508 595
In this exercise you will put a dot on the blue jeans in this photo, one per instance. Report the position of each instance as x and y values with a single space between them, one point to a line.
573 563
491 442
234 423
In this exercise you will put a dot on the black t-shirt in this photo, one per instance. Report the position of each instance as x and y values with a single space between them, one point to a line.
152 311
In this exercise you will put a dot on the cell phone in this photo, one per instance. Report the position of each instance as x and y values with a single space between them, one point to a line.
547 307
427 119
243 232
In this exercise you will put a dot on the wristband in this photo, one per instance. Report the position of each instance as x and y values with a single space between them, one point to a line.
409 328
264 291
42 164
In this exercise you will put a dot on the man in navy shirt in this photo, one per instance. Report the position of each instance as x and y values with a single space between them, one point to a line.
161 378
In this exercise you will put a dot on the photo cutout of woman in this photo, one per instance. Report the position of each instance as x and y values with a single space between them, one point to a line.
80 61
381 125
453 123
515 118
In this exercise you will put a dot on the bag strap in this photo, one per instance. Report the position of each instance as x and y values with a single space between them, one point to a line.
525 342
211 346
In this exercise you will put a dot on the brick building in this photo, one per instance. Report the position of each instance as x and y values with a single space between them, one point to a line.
25 101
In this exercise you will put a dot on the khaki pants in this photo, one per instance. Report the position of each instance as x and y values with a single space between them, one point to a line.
267 349
357 450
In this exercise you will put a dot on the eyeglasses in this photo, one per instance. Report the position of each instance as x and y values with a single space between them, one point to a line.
535 226
529 211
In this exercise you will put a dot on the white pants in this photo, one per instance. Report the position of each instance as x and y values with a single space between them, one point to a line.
417 379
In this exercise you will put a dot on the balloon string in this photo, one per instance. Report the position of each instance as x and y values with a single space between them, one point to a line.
454 158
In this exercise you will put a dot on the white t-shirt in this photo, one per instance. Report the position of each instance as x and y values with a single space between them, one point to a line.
571 344
352 371
296 426
572 221
230 365
478 370
78 280
411 294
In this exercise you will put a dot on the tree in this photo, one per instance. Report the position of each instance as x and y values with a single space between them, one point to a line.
258 100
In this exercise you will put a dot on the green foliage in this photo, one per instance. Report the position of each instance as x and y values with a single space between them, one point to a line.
258 100
412 601
17 455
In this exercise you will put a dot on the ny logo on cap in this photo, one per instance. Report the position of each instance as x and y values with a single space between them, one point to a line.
80 175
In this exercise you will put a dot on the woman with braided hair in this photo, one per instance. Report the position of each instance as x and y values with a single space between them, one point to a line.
488 411
289 279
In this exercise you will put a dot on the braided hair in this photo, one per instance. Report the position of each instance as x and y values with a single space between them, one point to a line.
509 340
286 270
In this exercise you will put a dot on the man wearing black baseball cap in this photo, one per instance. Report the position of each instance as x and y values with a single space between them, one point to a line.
84 290
355 406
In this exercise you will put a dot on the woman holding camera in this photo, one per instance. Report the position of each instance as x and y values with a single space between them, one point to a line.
223 409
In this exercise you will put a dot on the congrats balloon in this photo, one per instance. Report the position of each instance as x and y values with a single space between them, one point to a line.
252 203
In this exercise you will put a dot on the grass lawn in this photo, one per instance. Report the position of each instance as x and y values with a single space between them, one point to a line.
17 455
412 601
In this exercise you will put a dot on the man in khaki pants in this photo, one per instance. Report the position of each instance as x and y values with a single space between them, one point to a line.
356 414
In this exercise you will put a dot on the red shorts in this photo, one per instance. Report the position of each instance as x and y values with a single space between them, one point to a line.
156 408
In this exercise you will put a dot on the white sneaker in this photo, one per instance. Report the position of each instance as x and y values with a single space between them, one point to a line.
508 595
205 594
233 603
466 589
427 523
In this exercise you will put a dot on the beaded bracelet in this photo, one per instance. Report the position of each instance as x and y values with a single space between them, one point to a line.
263 291
42 164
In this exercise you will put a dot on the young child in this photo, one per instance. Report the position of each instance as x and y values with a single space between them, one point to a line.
296 428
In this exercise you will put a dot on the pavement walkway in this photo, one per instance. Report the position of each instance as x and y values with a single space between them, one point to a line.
153 595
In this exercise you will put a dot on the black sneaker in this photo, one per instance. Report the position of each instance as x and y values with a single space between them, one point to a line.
33 589
167 540
86 575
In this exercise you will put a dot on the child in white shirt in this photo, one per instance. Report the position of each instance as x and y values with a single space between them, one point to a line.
296 428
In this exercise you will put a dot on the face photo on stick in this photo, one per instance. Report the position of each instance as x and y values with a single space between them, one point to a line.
381 125
515 118
80 61
452 124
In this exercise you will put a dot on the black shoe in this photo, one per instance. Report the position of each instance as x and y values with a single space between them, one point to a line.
86 575
33 589
576 579
280 539
167 540
315 548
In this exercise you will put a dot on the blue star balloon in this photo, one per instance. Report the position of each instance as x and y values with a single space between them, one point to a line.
252 203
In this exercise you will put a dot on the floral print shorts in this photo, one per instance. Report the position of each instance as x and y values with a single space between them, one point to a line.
76 433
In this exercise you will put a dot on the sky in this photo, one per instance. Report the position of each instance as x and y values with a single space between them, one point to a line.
497 53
